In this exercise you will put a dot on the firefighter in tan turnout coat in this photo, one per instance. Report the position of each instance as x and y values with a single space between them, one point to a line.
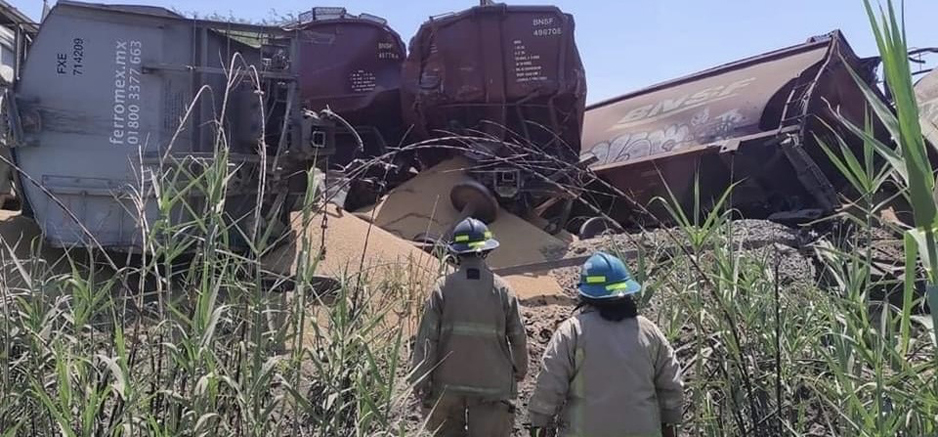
608 372
470 349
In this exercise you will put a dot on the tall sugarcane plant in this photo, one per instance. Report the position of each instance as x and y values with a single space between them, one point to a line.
908 156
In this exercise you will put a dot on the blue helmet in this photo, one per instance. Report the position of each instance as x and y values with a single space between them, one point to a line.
472 236
605 277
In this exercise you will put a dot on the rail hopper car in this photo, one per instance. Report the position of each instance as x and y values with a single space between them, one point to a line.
110 95
754 123
926 91
510 78
352 65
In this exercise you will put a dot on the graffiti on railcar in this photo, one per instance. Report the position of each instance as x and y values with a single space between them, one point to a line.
701 129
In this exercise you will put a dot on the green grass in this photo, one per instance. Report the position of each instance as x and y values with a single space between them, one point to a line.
196 338
192 338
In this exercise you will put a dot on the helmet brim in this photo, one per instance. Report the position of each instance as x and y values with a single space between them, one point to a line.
599 291
463 248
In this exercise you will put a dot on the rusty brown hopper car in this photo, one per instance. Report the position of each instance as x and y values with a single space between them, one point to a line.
751 122
494 67
926 90
352 64
510 73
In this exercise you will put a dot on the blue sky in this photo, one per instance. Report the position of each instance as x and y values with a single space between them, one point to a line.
630 44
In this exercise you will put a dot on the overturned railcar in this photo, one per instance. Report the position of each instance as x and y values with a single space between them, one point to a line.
926 92
504 73
16 34
110 96
754 122
352 65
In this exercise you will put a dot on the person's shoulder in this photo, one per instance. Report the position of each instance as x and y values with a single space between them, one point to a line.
441 283
576 320
649 327
645 323
587 314
502 285
568 329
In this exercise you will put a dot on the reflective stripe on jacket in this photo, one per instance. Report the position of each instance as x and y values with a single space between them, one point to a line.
611 379
471 336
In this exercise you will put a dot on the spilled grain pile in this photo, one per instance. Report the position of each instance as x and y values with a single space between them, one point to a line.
352 247
422 206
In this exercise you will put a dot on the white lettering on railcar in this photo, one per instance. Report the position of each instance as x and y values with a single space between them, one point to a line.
668 107
388 50
528 67
546 26
549 31
127 91
362 81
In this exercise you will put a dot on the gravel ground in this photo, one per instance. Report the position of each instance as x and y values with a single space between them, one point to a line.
773 243
541 321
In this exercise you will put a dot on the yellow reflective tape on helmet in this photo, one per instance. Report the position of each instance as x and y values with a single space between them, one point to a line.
619 286
595 279
476 244
488 234
461 238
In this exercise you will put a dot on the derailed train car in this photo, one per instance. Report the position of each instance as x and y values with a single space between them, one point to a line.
352 65
507 73
103 107
17 32
926 92
754 122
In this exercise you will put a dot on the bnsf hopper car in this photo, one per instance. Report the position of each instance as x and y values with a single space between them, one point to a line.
352 65
506 73
754 122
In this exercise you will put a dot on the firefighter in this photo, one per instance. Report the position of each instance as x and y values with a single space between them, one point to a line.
608 371
470 349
